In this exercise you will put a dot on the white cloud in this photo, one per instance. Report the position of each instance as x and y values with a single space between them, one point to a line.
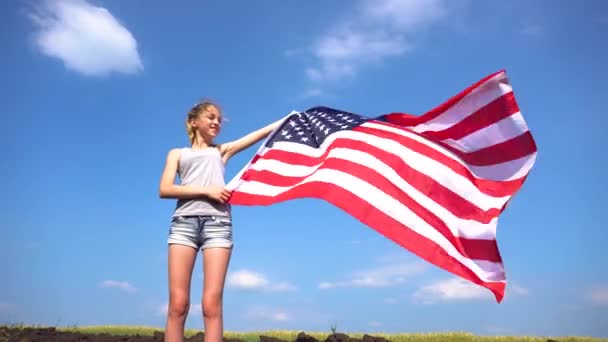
408 15
87 38
599 296
458 289
250 280
375 324
377 30
195 309
517 290
268 314
383 276
450 290
532 30
602 19
123 285
341 53
312 92
280 317
292 52
391 300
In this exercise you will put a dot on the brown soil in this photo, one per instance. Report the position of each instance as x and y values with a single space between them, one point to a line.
51 334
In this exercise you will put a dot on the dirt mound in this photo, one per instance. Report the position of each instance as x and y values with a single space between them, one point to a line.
51 334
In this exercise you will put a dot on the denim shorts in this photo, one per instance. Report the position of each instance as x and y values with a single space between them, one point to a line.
200 232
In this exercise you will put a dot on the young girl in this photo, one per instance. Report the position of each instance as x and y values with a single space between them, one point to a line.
202 218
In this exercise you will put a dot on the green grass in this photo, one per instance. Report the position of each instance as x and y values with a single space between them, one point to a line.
291 335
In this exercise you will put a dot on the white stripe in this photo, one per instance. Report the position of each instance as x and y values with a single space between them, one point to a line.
510 170
459 227
472 102
499 132
419 162
487 271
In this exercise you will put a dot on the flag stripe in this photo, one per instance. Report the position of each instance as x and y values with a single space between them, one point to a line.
417 161
334 181
513 149
496 111
473 248
464 108
502 131
473 95
487 179
382 177
385 225
452 205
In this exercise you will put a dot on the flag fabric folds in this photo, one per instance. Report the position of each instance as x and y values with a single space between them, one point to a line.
435 184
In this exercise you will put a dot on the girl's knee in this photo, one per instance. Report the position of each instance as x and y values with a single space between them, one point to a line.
179 304
212 304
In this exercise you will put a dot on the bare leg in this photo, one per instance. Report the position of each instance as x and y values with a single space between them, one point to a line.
181 263
215 263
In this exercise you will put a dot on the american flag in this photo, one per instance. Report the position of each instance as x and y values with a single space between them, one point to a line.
435 184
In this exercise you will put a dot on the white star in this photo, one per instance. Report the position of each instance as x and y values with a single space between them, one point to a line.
288 136
304 139
284 132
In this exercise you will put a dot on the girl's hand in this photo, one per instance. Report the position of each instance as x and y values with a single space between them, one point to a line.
218 193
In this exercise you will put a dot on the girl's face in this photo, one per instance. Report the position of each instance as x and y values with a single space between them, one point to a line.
208 123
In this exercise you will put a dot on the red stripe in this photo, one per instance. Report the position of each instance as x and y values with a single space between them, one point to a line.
497 110
428 186
506 151
479 249
408 120
379 221
490 187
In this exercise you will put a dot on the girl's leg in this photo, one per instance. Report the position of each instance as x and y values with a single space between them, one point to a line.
181 263
215 265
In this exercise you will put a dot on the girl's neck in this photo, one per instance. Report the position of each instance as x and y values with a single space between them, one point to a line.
200 144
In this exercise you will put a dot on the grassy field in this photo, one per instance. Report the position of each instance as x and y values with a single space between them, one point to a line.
253 336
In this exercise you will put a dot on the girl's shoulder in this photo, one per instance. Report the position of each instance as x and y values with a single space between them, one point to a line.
176 151
174 154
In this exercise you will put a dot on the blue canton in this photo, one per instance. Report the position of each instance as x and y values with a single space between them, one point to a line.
312 126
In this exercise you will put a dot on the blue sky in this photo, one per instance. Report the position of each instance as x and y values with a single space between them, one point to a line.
94 95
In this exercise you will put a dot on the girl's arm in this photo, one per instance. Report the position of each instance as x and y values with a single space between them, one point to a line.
229 149
168 188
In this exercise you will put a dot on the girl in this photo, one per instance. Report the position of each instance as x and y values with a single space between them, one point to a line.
202 217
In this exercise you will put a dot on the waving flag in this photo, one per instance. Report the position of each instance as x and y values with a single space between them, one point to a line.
434 184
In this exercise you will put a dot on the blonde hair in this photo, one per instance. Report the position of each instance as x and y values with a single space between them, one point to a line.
194 113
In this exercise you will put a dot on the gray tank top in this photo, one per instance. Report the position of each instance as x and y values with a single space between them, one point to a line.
201 167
